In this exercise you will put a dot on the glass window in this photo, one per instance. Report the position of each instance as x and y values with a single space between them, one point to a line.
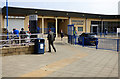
80 28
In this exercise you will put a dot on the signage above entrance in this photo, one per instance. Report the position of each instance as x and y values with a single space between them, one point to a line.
78 22
33 17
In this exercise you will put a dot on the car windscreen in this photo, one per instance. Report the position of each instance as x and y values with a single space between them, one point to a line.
92 35
84 35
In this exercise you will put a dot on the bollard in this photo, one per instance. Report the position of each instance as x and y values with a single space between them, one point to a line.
68 38
104 34
118 45
75 39
97 43
83 41
71 39
100 34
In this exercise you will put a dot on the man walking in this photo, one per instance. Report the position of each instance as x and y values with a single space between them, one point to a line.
51 39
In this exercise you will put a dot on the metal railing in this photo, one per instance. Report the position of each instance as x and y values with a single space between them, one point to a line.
109 34
109 44
13 40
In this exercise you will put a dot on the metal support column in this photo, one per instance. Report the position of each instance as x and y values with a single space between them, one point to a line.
56 25
102 26
7 17
69 21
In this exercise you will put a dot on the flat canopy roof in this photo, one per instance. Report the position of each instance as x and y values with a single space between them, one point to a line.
43 12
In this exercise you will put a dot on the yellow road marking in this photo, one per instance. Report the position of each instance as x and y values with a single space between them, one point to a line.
46 70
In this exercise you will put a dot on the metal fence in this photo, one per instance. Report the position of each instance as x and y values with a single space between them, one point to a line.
98 43
109 44
13 40
109 34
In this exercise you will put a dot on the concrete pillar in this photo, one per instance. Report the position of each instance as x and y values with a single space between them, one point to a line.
70 21
86 25
56 25
42 25
3 21
26 23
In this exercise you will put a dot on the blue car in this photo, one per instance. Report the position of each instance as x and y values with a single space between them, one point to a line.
89 38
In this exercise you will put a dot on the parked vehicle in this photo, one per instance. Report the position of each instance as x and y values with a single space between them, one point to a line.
89 38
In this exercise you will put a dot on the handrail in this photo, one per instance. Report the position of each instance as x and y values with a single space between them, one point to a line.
18 41
20 34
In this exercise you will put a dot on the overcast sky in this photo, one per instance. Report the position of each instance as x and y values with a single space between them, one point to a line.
109 7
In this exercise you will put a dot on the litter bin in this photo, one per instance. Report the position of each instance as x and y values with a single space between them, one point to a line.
39 46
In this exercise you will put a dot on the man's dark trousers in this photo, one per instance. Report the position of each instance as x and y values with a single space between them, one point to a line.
51 43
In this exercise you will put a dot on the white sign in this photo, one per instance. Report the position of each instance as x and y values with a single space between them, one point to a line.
41 46
33 17
118 30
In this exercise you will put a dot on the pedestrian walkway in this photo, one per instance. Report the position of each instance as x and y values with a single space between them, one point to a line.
68 61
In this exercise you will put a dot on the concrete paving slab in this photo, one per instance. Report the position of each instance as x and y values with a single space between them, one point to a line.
68 61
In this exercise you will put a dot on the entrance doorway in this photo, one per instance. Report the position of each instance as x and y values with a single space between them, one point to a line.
94 29
51 25
62 25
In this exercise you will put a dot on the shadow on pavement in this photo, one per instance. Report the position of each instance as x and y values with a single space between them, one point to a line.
59 43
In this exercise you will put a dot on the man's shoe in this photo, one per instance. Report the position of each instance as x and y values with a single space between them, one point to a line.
49 51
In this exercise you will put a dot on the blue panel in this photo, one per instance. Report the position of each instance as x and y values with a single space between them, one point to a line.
71 34
70 29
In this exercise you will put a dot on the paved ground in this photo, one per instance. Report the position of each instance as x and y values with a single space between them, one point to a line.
68 61
0 66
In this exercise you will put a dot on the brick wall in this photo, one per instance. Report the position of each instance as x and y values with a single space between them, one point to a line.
19 50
